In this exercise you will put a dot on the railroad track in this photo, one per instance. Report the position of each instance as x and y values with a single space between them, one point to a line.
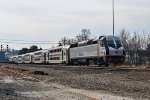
87 69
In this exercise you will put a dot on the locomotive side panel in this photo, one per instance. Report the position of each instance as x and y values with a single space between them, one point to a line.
89 51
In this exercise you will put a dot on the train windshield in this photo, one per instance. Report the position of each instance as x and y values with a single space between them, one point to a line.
118 43
110 42
113 42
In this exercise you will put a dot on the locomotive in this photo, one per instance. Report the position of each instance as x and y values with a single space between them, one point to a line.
100 51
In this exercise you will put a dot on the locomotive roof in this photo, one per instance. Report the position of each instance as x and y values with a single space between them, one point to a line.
109 37
59 47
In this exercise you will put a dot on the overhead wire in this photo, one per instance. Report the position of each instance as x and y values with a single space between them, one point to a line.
26 42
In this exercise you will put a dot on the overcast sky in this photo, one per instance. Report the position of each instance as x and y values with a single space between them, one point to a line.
50 20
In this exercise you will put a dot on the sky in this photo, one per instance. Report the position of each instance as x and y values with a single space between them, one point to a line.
50 20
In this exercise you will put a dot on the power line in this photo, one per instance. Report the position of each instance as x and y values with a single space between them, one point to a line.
26 42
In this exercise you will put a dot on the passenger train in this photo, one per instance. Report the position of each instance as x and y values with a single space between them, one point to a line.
101 51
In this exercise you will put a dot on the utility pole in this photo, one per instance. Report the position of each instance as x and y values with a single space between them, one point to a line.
113 17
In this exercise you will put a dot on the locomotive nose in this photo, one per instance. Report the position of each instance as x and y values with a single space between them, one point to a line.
114 52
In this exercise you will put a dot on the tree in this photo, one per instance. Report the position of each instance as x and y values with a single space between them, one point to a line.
148 52
85 34
40 48
23 51
136 46
64 41
79 38
33 48
59 44
124 35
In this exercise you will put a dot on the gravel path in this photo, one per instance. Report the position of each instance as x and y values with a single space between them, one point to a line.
17 85
78 83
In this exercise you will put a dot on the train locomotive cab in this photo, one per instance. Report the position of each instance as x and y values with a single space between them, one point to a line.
115 52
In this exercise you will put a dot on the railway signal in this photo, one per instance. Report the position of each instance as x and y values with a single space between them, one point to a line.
7 48
1 47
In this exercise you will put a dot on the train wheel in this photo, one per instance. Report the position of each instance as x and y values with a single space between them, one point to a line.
76 62
101 61
87 62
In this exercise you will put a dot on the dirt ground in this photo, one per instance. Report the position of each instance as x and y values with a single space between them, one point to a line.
73 83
